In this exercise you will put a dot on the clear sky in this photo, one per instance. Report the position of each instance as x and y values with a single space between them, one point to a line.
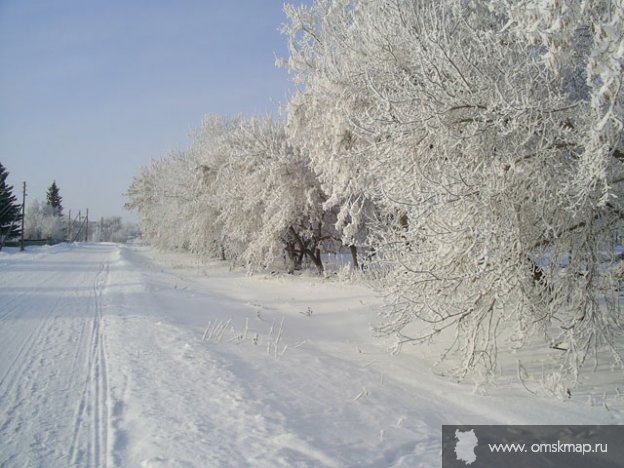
90 91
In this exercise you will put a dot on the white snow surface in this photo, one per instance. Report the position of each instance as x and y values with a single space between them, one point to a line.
114 355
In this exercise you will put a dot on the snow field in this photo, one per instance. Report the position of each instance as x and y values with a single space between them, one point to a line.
119 356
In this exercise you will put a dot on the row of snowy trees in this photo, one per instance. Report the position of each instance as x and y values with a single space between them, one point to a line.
45 221
474 148
241 191
41 221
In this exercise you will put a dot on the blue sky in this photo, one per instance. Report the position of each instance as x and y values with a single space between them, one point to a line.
91 91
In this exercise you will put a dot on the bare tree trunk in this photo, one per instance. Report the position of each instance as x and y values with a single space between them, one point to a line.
353 250
313 252
315 256
293 257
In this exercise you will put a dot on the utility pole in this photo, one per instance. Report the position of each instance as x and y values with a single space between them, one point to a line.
23 216
79 226
69 227
87 226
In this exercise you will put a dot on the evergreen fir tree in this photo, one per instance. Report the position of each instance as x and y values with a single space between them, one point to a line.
54 199
10 210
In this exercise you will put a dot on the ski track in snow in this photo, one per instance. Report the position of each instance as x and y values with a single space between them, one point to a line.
105 360
92 409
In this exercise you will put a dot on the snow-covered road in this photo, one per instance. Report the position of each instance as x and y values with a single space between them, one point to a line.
53 372
110 359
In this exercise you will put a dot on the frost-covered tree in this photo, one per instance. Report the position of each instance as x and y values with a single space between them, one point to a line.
208 153
271 200
495 161
319 123
41 222
158 194
10 210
